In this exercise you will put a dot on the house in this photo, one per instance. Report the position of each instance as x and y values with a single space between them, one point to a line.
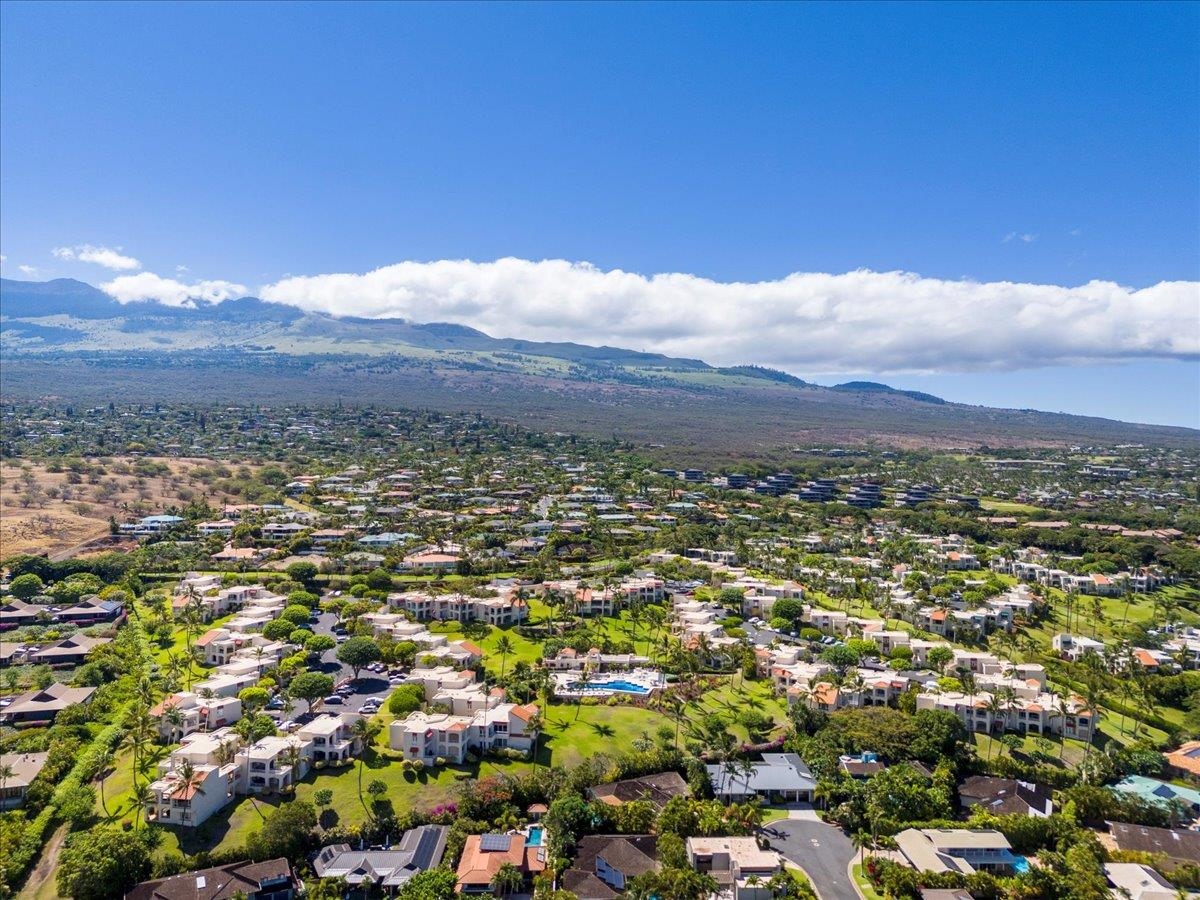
961 850
1186 760
604 864
431 561
484 854
185 713
40 706
221 768
498 725
92 611
22 769
419 850
862 765
1138 882
70 651
740 868
779 776
17 614
1161 793
1005 796
270 880
656 789
1176 845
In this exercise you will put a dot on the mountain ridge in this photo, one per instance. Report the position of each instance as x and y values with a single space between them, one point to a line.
65 338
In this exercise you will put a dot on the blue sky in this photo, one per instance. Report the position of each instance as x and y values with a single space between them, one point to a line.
1046 144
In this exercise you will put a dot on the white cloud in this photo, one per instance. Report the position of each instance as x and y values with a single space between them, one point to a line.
28 270
168 291
101 256
805 322
1024 238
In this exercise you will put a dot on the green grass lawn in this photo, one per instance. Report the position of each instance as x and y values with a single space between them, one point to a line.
1009 506
864 884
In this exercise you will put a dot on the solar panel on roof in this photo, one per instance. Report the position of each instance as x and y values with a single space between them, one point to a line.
495 842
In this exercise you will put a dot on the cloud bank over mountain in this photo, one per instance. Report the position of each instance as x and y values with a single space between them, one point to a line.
805 322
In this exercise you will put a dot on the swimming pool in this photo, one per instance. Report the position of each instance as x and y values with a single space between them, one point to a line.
1020 865
534 837
618 685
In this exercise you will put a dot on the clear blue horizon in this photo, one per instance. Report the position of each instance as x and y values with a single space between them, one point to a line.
1049 146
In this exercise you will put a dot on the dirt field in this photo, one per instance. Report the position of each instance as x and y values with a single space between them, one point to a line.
51 512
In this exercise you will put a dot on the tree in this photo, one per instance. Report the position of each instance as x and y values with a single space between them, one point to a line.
504 646
365 731
840 657
102 863
311 686
359 652
286 832
406 699
435 884
507 880
254 698
318 644
304 572
25 586
939 657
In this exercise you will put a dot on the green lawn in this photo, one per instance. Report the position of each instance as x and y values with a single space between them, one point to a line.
1008 506
864 884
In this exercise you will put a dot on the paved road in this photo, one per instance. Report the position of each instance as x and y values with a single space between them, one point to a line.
821 850
368 685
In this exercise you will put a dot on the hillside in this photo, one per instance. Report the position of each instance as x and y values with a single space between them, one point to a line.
67 339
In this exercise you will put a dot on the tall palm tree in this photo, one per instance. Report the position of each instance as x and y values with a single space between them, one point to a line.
6 772
190 781
141 794
504 646
365 731
105 760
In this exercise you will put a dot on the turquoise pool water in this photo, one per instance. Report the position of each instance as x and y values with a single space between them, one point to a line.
534 838
1020 865
619 685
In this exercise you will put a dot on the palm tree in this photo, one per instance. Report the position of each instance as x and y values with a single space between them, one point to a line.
365 731
504 646
105 760
536 724
174 718
292 758
6 772
861 841
190 781
507 880
141 793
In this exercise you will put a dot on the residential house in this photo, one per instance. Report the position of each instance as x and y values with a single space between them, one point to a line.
22 769
185 713
419 850
777 777
41 705
656 789
428 736
483 856
738 865
605 863
960 850
1005 796
70 651
269 880
1136 881
1176 845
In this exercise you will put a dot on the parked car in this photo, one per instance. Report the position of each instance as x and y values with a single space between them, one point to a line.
333 700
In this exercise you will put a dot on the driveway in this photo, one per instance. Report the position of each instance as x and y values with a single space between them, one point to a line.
819 849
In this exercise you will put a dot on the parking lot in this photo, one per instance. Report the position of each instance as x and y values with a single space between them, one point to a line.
370 684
